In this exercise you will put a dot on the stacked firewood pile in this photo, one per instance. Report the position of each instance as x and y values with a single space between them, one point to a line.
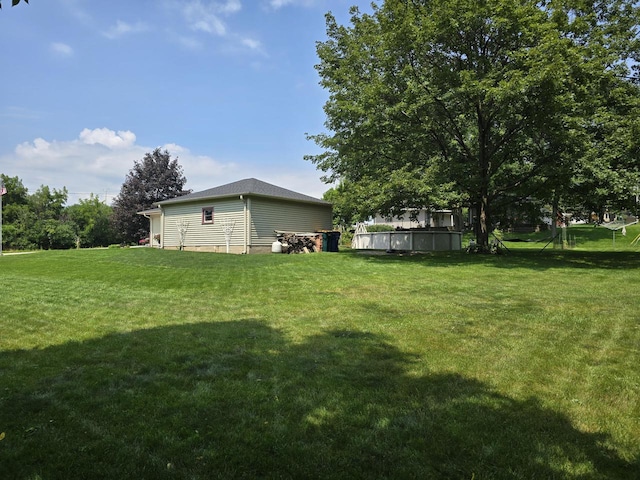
293 243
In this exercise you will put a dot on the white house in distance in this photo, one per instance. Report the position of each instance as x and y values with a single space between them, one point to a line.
239 217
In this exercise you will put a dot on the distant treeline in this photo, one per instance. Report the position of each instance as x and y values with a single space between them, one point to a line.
43 221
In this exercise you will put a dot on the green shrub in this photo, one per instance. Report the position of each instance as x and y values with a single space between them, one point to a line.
380 228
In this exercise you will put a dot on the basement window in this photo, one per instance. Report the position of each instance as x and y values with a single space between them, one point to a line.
207 215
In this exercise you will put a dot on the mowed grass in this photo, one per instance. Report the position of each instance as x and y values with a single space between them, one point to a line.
147 364
580 238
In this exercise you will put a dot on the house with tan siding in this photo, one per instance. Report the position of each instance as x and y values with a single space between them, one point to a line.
239 217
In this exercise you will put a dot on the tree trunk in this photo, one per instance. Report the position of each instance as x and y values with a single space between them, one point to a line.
484 223
484 161
554 217
457 219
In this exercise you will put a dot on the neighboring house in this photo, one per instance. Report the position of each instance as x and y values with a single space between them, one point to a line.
423 219
239 217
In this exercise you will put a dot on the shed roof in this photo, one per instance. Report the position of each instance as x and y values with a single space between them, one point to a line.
248 186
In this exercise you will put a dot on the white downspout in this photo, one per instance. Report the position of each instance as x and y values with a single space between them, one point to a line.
162 236
245 228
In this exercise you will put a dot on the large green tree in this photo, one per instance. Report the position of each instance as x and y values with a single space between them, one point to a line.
37 220
154 178
348 206
480 102
92 219
610 173
15 208
42 220
50 228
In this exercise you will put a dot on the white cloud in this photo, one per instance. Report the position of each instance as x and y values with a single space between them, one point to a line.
108 138
209 18
277 4
98 160
203 171
122 28
251 43
189 42
211 25
75 8
61 49
230 6
206 16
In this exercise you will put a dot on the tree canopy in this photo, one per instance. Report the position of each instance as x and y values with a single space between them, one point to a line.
442 103
154 178
42 219
92 218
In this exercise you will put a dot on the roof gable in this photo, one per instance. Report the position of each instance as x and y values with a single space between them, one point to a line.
248 186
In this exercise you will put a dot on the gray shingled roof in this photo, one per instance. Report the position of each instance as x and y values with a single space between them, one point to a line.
248 186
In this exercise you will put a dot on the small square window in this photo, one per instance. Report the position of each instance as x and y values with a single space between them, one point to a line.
207 215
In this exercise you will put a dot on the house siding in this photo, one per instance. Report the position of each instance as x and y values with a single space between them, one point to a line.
268 215
256 220
204 236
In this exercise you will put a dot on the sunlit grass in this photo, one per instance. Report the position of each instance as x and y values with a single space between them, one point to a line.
578 237
140 363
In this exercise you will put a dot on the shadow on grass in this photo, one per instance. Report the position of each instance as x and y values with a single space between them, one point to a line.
240 400
515 258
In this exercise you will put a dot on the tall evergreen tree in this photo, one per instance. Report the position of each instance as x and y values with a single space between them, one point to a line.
154 178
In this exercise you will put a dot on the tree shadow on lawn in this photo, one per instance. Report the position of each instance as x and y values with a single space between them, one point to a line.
240 400
515 259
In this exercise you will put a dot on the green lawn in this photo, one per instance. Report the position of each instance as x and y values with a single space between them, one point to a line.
147 364
582 238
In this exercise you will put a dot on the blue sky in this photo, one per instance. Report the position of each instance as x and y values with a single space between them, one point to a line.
227 86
